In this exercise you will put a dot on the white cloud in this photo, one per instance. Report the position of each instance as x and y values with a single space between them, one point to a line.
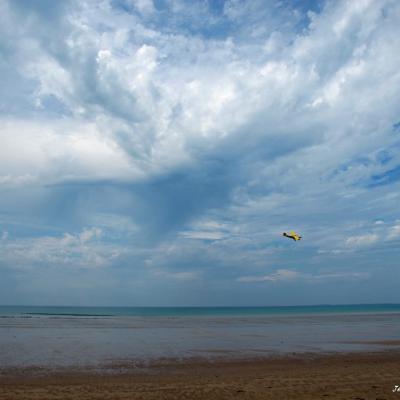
338 275
45 152
289 275
144 6
158 100
202 235
278 275
179 276
82 250
394 232
89 234
362 240
204 229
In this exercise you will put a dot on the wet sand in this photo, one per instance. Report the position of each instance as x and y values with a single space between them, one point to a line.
307 376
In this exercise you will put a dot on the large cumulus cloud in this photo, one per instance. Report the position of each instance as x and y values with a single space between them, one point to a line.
208 128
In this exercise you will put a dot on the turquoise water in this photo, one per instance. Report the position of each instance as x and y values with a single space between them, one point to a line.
193 311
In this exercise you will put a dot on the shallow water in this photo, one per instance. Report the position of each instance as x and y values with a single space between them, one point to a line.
63 341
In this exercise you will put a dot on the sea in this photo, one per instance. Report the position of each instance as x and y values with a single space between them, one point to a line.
55 336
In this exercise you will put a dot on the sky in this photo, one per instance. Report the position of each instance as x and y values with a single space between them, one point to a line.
152 152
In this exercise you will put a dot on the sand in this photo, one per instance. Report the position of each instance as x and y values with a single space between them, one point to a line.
340 376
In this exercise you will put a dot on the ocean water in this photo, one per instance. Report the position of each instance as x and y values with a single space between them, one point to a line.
106 336
6 311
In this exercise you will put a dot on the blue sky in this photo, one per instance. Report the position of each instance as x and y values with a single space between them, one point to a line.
153 152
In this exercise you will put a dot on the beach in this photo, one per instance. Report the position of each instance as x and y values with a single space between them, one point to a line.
339 376
175 354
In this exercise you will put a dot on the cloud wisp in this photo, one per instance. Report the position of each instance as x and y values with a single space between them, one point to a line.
282 275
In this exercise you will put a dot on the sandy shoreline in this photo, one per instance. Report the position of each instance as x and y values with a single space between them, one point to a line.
339 376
